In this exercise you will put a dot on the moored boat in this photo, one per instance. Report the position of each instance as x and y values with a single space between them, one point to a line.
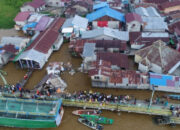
90 124
98 119
86 111
173 96
161 120
30 113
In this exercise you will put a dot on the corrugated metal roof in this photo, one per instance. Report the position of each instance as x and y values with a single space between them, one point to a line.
46 39
67 23
148 12
121 35
22 16
160 54
13 40
33 55
100 5
154 23
133 17
155 34
89 49
43 23
80 22
106 11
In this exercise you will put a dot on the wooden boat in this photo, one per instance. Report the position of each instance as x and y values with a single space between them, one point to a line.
90 124
173 96
161 120
97 119
87 111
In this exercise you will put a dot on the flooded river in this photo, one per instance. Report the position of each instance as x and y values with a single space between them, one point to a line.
80 81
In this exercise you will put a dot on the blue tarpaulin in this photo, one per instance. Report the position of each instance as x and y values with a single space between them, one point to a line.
106 11
29 25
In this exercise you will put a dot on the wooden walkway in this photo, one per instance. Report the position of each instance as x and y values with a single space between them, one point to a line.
24 81
140 108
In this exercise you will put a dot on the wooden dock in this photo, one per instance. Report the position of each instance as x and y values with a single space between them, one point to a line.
24 81
139 108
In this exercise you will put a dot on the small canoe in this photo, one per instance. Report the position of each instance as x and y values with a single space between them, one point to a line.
98 119
90 124
87 112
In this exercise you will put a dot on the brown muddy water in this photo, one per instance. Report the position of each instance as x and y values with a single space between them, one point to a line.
80 81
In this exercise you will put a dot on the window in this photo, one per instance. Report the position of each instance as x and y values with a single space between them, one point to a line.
96 77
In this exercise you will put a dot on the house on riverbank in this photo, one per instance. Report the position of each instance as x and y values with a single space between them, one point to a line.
158 58
38 52
105 77
34 6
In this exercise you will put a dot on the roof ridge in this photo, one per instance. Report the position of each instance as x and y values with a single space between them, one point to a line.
160 53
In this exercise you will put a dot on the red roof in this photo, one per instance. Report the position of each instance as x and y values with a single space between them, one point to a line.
118 59
47 38
35 3
10 48
22 16
135 38
118 76
78 45
169 4
133 17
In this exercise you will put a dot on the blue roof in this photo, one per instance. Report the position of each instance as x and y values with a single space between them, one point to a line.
100 5
159 79
106 11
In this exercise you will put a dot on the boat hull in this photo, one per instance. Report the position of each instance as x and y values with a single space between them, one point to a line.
88 112
24 123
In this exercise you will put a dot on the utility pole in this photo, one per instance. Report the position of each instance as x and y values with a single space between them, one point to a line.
153 90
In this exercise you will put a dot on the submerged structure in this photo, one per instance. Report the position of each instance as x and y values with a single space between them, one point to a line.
30 113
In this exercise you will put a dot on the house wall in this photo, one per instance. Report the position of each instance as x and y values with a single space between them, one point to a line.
136 46
143 68
173 8
156 68
133 26
101 82
111 24
105 18
137 58
49 53
27 8
58 43
55 3
21 23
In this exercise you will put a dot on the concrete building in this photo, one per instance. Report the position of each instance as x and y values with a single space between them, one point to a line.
34 6
106 17
133 22
158 58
